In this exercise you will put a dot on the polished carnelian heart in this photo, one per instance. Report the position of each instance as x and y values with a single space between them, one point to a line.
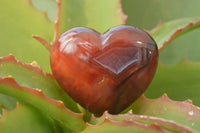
104 71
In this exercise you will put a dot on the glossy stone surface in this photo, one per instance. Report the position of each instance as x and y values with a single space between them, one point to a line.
104 71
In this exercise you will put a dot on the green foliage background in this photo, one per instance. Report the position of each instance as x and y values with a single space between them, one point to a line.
178 78
19 23
178 72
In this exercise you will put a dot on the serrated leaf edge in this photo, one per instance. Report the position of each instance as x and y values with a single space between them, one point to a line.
191 110
129 123
33 66
175 34
165 97
161 122
10 81
130 116
123 15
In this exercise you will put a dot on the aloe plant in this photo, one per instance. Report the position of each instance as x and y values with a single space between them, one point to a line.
32 100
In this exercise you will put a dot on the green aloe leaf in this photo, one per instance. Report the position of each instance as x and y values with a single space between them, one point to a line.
18 23
97 14
166 32
24 119
180 82
168 125
126 126
186 46
47 6
31 75
50 107
181 112
149 14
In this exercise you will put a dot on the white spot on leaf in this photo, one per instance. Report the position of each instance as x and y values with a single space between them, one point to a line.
191 113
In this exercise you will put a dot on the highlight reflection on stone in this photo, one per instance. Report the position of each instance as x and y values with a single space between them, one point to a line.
104 71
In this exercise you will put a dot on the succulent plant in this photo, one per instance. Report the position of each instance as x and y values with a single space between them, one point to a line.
35 99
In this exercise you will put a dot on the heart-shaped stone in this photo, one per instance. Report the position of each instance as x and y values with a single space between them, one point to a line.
104 71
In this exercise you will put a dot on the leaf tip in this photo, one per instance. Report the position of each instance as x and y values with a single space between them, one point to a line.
34 64
38 90
10 76
9 57
60 103
157 26
123 15
44 42
130 111
57 21
188 101
164 96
